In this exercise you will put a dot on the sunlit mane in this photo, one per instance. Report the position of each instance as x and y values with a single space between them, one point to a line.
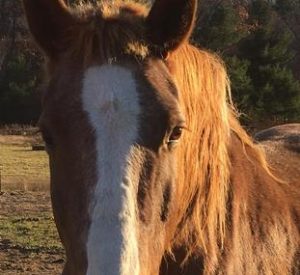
211 118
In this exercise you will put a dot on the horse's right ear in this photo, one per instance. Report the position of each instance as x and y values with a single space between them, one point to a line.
170 23
49 21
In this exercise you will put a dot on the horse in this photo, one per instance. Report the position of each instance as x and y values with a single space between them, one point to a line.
287 135
282 148
151 172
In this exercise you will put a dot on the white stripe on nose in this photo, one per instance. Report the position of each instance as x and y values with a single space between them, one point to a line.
111 101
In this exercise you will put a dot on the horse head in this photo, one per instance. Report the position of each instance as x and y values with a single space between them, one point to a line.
112 121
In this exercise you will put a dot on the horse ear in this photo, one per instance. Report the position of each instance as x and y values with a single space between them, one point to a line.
170 23
49 21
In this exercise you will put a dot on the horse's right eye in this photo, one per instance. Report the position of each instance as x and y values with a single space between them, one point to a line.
175 135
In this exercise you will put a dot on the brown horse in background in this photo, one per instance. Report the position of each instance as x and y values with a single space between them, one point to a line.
281 144
151 172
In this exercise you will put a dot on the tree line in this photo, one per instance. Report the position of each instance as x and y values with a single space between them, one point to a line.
259 42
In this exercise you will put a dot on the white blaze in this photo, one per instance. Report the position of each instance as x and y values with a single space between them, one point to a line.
110 98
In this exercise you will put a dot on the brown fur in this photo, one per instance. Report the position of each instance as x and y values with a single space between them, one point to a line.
231 214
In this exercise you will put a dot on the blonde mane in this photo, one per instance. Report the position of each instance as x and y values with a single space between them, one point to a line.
204 165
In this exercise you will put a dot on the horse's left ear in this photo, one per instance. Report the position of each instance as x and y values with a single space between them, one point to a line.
170 23
49 22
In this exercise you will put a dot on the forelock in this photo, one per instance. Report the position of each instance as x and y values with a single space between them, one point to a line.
109 31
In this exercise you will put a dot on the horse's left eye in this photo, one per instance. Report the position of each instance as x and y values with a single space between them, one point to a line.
175 135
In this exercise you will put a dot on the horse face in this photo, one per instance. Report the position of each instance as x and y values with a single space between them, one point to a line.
112 153
111 130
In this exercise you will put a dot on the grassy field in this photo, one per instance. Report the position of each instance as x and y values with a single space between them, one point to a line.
31 233
21 168
29 243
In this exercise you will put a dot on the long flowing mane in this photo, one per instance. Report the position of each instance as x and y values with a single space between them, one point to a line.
205 168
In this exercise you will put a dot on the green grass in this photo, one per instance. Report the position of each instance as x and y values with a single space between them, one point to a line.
32 233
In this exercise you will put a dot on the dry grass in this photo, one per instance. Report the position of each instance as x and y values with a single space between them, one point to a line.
21 168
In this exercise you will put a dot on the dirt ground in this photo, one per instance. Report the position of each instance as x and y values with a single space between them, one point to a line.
28 256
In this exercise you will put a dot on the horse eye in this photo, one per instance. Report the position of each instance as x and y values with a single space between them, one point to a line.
175 135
